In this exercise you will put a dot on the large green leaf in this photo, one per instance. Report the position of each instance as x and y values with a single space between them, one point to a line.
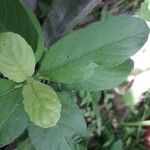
9 96
16 17
17 60
66 134
105 78
109 43
41 103
13 126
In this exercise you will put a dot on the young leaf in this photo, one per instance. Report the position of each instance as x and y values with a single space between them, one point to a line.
105 78
109 43
9 96
17 60
69 131
25 24
41 103
15 124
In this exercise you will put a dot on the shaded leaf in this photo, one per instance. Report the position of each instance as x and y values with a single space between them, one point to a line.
105 78
25 145
69 131
15 124
17 60
9 97
102 44
12 118
41 103
16 17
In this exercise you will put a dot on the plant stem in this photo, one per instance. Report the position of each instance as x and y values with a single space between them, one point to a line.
139 123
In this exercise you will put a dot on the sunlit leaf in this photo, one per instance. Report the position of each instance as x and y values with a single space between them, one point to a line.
67 134
17 60
41 103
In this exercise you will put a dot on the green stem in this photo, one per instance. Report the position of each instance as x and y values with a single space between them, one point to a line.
40 77
139 123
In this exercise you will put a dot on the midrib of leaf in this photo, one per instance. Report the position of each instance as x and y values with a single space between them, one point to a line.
16 62
18 65
36 95
7 92
15 105
84 54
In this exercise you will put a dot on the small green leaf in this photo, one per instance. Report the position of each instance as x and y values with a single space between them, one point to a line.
17 60
67 134
130 101
109 43
118 145
41 103
14 125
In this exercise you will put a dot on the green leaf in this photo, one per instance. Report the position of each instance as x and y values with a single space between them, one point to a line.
130 101
118 145
17 60
15 124
105 77
144 11
12 118
69 131
81 146
102 44
16 17
25 145
41 103
9 97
